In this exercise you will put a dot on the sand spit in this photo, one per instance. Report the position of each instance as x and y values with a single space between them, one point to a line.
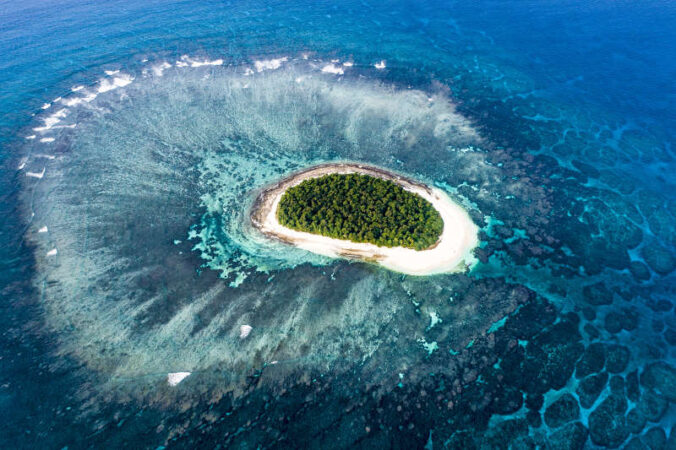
451 253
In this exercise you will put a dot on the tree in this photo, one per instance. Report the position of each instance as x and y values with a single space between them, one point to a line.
360 208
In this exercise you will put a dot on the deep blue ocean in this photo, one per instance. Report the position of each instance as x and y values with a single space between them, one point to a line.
140 310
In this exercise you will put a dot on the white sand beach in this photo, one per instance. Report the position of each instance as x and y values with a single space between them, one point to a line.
451 253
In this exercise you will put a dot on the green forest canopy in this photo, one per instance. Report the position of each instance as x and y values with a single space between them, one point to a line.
361 208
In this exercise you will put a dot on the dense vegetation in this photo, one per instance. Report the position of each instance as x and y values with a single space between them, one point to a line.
360 208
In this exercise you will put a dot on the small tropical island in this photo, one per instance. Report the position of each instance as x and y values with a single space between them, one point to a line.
364 212
361 208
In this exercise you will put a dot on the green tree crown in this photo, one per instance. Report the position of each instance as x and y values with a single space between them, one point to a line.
361 208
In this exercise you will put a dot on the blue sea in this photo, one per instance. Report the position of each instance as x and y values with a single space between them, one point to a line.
140 309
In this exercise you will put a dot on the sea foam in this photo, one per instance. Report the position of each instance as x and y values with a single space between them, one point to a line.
106 84
174 378
269 64
332 68
36 174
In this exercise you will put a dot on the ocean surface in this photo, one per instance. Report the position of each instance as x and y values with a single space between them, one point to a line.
141 310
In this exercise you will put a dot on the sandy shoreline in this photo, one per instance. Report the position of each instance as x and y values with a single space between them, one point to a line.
452 253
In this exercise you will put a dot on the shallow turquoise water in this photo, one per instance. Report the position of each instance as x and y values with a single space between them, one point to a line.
139 136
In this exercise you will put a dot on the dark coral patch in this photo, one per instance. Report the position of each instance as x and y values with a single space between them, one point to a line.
661 377
565 409
607 424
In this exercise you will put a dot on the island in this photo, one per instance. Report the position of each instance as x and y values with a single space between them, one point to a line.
363 212
360 208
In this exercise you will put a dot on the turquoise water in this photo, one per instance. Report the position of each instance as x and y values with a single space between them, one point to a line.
134 139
